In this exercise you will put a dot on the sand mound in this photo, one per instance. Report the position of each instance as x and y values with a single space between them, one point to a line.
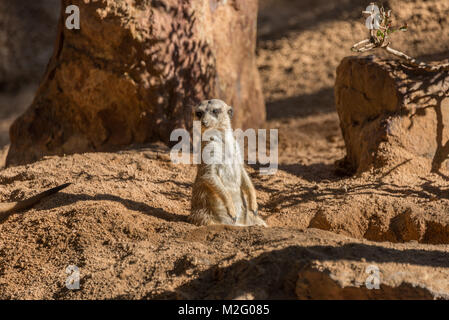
123 224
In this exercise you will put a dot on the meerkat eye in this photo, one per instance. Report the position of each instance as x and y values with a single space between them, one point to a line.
199 114
216 112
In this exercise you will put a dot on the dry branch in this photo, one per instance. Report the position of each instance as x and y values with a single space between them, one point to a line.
379 37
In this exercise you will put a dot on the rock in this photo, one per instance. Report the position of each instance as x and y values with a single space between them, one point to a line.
27 34
364 281
392 116
319 265
131 73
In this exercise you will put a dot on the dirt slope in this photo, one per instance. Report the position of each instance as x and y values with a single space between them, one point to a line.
122 222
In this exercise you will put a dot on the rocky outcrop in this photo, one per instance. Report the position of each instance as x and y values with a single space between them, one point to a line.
27 35
392 116
133 70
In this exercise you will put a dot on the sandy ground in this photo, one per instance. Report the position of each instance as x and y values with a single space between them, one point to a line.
123 224
123 221
300 45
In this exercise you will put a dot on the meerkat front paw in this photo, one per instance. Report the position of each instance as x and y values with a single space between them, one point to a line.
232 213
254 207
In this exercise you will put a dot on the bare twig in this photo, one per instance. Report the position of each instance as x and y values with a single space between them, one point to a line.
379 36
419 65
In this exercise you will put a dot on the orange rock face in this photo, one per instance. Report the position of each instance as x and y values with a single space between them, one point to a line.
132 72
392 116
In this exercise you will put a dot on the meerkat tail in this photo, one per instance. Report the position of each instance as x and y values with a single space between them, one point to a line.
7 208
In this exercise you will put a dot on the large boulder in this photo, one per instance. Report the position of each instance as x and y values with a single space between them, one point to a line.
133 70
392 116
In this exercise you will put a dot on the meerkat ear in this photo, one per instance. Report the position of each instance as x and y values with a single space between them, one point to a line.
231 112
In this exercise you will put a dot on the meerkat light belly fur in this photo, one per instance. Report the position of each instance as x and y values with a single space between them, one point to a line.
222 192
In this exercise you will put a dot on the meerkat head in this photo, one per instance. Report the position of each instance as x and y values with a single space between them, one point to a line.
213 114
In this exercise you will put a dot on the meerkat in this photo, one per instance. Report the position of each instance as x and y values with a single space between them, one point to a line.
7 208
222 192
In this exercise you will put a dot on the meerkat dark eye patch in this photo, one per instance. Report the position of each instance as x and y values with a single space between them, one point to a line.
199 114
231 112
216 112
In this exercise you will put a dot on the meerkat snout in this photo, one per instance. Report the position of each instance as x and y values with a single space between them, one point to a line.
214 114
